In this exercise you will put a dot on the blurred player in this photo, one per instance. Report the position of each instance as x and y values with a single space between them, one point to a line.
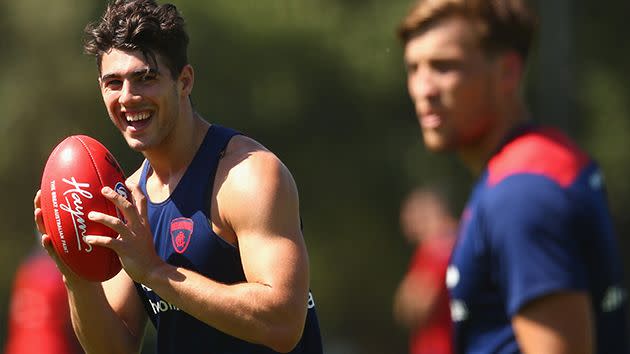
421 301
39 318
536 267
212 248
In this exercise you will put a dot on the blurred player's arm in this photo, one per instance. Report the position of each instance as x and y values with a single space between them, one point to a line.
559 323
415 300
540 266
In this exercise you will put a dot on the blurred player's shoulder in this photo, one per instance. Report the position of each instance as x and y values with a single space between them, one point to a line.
538 151
41 270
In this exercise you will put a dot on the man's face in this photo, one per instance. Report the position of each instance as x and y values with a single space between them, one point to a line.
142 99
452 84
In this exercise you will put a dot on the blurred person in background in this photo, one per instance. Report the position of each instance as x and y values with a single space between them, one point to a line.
39 317
212 247
421 301
536 267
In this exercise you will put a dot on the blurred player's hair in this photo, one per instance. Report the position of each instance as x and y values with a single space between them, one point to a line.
501 25
143 25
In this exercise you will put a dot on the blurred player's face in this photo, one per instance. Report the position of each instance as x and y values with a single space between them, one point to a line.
453 85
142 99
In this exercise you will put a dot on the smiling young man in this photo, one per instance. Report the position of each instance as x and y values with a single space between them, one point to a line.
212 248
536 267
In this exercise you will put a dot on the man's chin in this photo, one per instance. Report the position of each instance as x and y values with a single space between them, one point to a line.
438 149
136 145
436 144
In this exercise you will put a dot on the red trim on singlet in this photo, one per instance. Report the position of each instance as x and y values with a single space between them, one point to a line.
545 152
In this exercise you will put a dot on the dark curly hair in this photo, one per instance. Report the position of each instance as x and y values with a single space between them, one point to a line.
142 25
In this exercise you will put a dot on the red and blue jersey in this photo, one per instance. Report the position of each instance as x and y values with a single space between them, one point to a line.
537 223
39 316
183 237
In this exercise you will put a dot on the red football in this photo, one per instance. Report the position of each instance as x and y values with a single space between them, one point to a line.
76 171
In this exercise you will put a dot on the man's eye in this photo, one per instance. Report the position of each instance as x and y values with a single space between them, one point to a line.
112 83
411 67
148 77
444 66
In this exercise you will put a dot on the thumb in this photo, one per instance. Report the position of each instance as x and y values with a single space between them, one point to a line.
47 243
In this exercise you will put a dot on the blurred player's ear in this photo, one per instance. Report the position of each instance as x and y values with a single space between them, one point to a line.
511 71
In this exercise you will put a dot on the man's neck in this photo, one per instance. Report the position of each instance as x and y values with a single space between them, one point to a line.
173 156
476 156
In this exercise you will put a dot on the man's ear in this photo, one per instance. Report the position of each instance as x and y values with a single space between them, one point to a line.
186 80
511 71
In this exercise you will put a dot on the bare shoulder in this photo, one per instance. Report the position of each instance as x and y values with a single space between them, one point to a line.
252 182
247 162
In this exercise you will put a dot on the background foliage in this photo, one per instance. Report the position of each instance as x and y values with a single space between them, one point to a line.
321 83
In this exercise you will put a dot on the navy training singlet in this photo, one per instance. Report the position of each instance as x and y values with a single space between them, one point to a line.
183 237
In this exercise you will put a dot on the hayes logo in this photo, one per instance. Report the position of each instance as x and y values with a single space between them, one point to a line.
181 232
74 206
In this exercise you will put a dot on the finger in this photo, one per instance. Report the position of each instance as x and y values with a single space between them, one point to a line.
47 242
50 249
103 241
126 207
139 199
112 222
37 212
37 200
39 221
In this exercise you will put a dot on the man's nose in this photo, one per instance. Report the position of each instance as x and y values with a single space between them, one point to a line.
128 94
422 84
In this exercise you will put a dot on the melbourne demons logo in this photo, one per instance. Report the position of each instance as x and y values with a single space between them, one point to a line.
181 232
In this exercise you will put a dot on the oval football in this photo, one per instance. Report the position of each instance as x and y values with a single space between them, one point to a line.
76 171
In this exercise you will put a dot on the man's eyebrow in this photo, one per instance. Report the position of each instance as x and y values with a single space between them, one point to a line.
134 74
143 72
108 76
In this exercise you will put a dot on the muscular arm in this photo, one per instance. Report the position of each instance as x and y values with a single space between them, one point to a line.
560 323
259 202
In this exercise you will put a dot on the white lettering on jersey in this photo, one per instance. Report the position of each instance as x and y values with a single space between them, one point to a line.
459 312
596 180
311 301
162 306
452 276
614 297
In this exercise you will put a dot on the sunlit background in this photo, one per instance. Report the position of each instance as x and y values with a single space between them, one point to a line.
321 83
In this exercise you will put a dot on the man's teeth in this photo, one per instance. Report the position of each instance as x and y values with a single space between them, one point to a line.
137 116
